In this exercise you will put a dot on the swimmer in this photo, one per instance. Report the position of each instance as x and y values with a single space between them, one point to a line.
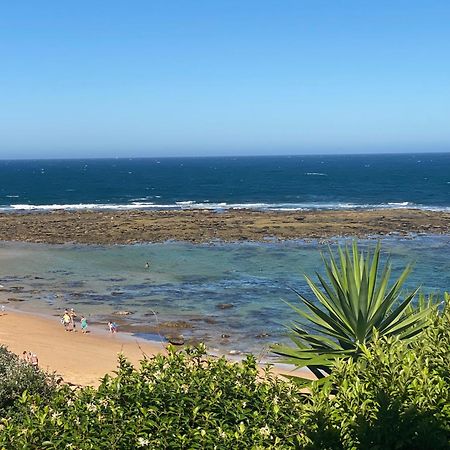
147 265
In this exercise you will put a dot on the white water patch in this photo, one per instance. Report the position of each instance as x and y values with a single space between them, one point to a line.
79 206
399 204
219 206
316 174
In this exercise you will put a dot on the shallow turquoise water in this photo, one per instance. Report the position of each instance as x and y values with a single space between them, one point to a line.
188 282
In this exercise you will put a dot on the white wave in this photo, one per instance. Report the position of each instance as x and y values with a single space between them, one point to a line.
218 206
399 203
79 206
316 174
186 203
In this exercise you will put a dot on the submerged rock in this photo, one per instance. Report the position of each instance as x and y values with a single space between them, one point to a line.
262 335
225 305
14 299
122 313
16 288
176 324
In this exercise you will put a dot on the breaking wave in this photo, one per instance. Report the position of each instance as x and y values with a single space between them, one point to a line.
218 206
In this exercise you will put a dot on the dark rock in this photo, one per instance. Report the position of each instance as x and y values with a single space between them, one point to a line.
225 305
262 335
14 299
176 324
175 339
225 336
210 320
122 313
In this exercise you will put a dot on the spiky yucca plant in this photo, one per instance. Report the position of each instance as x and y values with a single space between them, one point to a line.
354 303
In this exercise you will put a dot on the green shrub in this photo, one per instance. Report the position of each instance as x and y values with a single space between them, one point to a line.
395 396
16 376
183 400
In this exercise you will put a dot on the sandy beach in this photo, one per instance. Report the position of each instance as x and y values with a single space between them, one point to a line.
128 227
79 358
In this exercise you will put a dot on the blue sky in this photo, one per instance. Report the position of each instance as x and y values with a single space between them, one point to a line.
223 77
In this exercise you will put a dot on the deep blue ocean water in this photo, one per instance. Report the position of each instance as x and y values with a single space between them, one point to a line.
282 182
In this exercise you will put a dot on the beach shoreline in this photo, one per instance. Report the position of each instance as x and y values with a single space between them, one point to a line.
80 359
203 226
83 359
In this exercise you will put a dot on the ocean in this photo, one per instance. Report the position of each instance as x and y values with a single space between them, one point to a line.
232 296
264 183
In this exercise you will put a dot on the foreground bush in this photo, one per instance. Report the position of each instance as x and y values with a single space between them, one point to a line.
16 376
184 400
396 395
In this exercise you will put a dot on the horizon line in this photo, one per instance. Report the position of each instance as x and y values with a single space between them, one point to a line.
70 158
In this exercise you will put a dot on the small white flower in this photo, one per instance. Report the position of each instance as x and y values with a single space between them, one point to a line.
91 407
264 431
143 442
56 415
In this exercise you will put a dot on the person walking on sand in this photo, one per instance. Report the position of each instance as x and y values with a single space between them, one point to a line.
112 327
66 320
25 356
84 325
72 319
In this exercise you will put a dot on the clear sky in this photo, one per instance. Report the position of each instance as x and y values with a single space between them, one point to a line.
207 77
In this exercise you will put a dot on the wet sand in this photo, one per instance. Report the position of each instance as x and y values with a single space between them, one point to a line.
127 227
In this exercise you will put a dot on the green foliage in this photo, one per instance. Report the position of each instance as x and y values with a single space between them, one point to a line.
394 396
183 400
16 376
356 303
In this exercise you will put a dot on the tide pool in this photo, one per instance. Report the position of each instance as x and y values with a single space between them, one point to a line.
231 296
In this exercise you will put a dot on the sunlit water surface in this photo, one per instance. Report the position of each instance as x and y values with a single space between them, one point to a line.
231 296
